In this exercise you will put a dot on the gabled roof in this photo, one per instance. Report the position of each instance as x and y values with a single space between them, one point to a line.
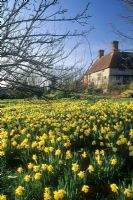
113 60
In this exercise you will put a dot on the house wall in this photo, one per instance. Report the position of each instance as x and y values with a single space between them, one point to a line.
99 79
110 76
120 76
117 71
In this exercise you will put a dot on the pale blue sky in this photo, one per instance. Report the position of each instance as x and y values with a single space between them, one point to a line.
103 14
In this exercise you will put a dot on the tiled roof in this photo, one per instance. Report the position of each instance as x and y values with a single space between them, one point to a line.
113 60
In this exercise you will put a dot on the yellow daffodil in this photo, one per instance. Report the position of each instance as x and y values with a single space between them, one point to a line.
114 187
57 152
75 167
20 191
37 176
90 169
27 178
84 154
68 155
47 195
128 192
35 168
60 194
34 157
113 161
20 170
85 188
30 165
50 168
3 197
81 174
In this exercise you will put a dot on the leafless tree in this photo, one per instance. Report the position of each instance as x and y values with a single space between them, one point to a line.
30 47
127 21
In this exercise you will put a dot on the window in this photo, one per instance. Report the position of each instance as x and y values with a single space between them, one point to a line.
122 68
126 79
99 76
90 79
118 78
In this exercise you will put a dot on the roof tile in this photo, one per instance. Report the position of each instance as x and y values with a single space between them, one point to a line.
113 60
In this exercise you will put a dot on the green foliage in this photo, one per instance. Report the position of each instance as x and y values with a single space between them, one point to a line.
93 90
57 95
130 87
127 94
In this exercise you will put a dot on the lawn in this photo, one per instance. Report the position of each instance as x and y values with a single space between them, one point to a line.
66 149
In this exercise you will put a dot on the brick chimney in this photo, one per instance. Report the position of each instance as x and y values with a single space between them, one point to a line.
115 45
85 80
101 53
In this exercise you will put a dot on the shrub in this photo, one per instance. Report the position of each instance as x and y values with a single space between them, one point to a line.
93 90
130 86
127 94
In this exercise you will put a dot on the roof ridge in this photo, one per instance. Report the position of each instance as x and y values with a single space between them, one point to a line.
111 60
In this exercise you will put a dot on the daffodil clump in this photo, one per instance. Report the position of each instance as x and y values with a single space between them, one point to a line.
66 149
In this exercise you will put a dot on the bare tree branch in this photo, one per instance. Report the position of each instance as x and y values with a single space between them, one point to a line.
29 50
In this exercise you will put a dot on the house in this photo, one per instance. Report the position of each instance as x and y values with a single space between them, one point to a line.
113 68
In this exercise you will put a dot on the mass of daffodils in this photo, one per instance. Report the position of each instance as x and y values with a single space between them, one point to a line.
66 149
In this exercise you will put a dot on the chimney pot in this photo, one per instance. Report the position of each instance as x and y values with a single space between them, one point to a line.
101 53
115 45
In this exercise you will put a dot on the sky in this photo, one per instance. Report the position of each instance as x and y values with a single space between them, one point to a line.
105 14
